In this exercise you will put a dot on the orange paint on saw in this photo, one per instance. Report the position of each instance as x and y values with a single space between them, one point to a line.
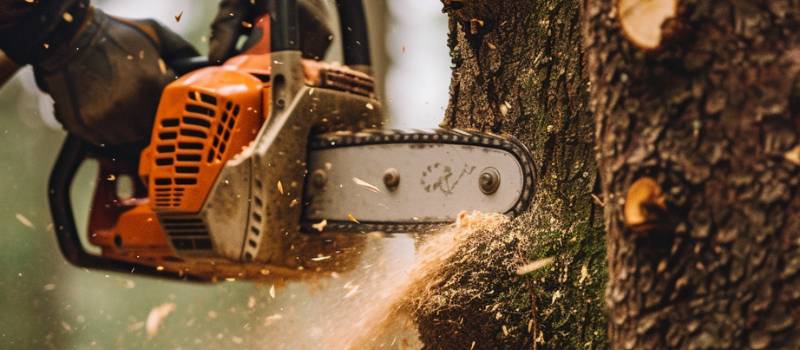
204 119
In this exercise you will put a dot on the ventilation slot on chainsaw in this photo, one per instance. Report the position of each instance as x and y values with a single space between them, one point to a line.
187 233
225 128
256 214
180 147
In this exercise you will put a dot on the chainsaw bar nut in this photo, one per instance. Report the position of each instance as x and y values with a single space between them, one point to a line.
489 181
319 178
391 178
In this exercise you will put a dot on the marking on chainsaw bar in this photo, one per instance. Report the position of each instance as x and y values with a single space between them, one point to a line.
443 175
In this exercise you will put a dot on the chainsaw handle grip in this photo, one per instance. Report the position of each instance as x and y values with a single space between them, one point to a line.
73 153
283 27
285 31
355 38
185 65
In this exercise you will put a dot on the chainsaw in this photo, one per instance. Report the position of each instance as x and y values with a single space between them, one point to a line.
247 156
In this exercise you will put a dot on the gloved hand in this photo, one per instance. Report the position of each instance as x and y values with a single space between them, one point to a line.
104 74
229 25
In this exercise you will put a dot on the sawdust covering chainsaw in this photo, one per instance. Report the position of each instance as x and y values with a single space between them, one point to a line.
247 156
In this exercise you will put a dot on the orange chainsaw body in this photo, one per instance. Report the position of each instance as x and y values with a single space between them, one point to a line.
204 119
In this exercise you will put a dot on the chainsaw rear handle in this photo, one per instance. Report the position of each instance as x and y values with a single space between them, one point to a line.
74 152
285 33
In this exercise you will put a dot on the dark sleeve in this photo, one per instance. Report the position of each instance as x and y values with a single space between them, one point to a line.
29 29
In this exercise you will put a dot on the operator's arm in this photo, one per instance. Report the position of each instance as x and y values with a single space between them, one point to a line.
105 74
28 29
21 32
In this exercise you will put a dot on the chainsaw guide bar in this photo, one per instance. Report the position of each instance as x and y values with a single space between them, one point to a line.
409 181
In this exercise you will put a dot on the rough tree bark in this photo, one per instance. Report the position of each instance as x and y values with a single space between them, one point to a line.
518 69
699 159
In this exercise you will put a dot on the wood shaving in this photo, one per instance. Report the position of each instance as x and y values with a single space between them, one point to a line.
320 226
162 66
269 320
156 317
533 266
25 221
584 274
366 185
352 292
793 155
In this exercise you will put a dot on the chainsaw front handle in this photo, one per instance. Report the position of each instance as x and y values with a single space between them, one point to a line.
285 34
354 33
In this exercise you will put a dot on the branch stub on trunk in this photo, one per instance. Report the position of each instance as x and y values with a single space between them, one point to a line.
644 205
642 20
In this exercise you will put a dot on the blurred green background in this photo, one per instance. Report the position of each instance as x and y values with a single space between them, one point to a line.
48 304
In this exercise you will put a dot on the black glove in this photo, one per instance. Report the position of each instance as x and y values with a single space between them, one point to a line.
31 29
106 77
229 25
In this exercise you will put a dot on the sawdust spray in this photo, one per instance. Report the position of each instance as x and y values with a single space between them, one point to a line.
380 322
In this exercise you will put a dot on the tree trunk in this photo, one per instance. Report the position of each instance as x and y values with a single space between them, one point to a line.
518 70
698 154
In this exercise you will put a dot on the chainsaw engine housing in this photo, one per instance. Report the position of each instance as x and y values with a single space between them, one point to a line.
215 165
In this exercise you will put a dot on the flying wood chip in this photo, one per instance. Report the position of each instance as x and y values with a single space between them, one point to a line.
367 185
156 317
